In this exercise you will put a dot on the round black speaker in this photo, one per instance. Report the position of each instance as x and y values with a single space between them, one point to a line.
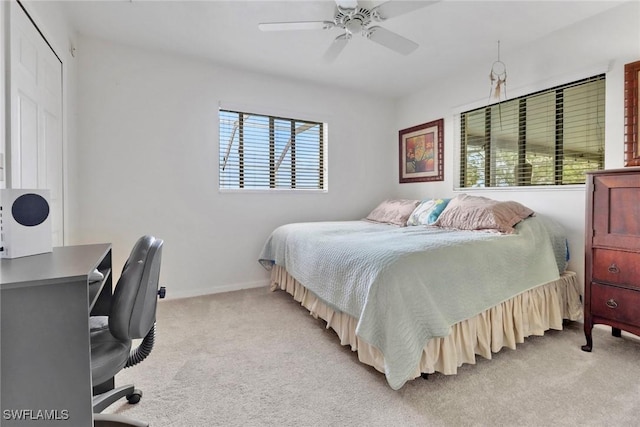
30 210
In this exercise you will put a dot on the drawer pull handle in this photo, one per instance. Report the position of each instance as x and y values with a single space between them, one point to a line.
612 303
614 269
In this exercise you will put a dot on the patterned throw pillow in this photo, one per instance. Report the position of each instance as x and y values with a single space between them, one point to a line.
393 211
427 212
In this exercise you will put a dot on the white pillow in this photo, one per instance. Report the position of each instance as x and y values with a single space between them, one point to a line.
427 212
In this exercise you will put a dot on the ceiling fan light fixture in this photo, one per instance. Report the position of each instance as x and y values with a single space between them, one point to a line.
354 25
347 4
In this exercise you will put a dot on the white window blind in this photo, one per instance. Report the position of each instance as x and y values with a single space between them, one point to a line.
551 137
267 152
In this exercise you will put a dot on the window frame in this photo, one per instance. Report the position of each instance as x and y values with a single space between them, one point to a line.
599 71
287 116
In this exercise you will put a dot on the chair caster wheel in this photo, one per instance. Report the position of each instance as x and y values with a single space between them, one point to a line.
134 397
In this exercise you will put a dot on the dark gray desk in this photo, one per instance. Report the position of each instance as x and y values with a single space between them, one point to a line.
45 353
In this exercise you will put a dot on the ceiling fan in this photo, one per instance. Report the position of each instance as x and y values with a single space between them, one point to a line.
353 19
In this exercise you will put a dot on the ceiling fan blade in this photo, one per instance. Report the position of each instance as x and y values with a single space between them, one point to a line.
392 40
303 25
336 47
392 9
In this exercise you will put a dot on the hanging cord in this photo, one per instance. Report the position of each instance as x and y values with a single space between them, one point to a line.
498 79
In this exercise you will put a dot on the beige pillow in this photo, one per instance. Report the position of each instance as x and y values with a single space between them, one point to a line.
393 211
466 212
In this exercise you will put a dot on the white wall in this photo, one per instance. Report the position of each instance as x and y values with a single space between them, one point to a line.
147 162
601 44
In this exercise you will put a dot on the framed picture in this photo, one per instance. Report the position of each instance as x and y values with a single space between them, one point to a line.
631 114
421 152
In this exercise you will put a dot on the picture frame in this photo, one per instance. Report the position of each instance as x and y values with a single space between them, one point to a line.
421 152
631 114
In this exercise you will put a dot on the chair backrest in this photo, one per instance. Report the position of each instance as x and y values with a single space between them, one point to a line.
133 306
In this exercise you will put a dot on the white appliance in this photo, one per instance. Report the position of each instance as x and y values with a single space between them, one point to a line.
25 222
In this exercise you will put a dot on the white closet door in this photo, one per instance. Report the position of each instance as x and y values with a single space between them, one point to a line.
36 115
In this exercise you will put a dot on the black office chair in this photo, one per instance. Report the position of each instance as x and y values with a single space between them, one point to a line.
132 316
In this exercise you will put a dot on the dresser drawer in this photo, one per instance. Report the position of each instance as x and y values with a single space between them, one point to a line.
610 302
616 267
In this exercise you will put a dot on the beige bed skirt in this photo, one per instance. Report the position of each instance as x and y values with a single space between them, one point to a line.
504 325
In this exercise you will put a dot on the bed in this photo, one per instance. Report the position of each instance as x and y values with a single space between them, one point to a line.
414 289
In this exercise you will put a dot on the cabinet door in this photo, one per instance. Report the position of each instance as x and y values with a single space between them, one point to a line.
616 211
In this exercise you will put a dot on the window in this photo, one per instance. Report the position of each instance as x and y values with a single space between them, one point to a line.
551 137
266 152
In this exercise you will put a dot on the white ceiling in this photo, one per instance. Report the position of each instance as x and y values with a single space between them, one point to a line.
451 33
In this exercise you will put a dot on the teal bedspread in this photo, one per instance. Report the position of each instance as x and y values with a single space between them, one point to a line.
406 285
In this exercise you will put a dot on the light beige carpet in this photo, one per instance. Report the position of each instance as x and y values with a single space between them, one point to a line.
257 358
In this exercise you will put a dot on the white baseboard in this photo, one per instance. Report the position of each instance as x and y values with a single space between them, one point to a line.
175 294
